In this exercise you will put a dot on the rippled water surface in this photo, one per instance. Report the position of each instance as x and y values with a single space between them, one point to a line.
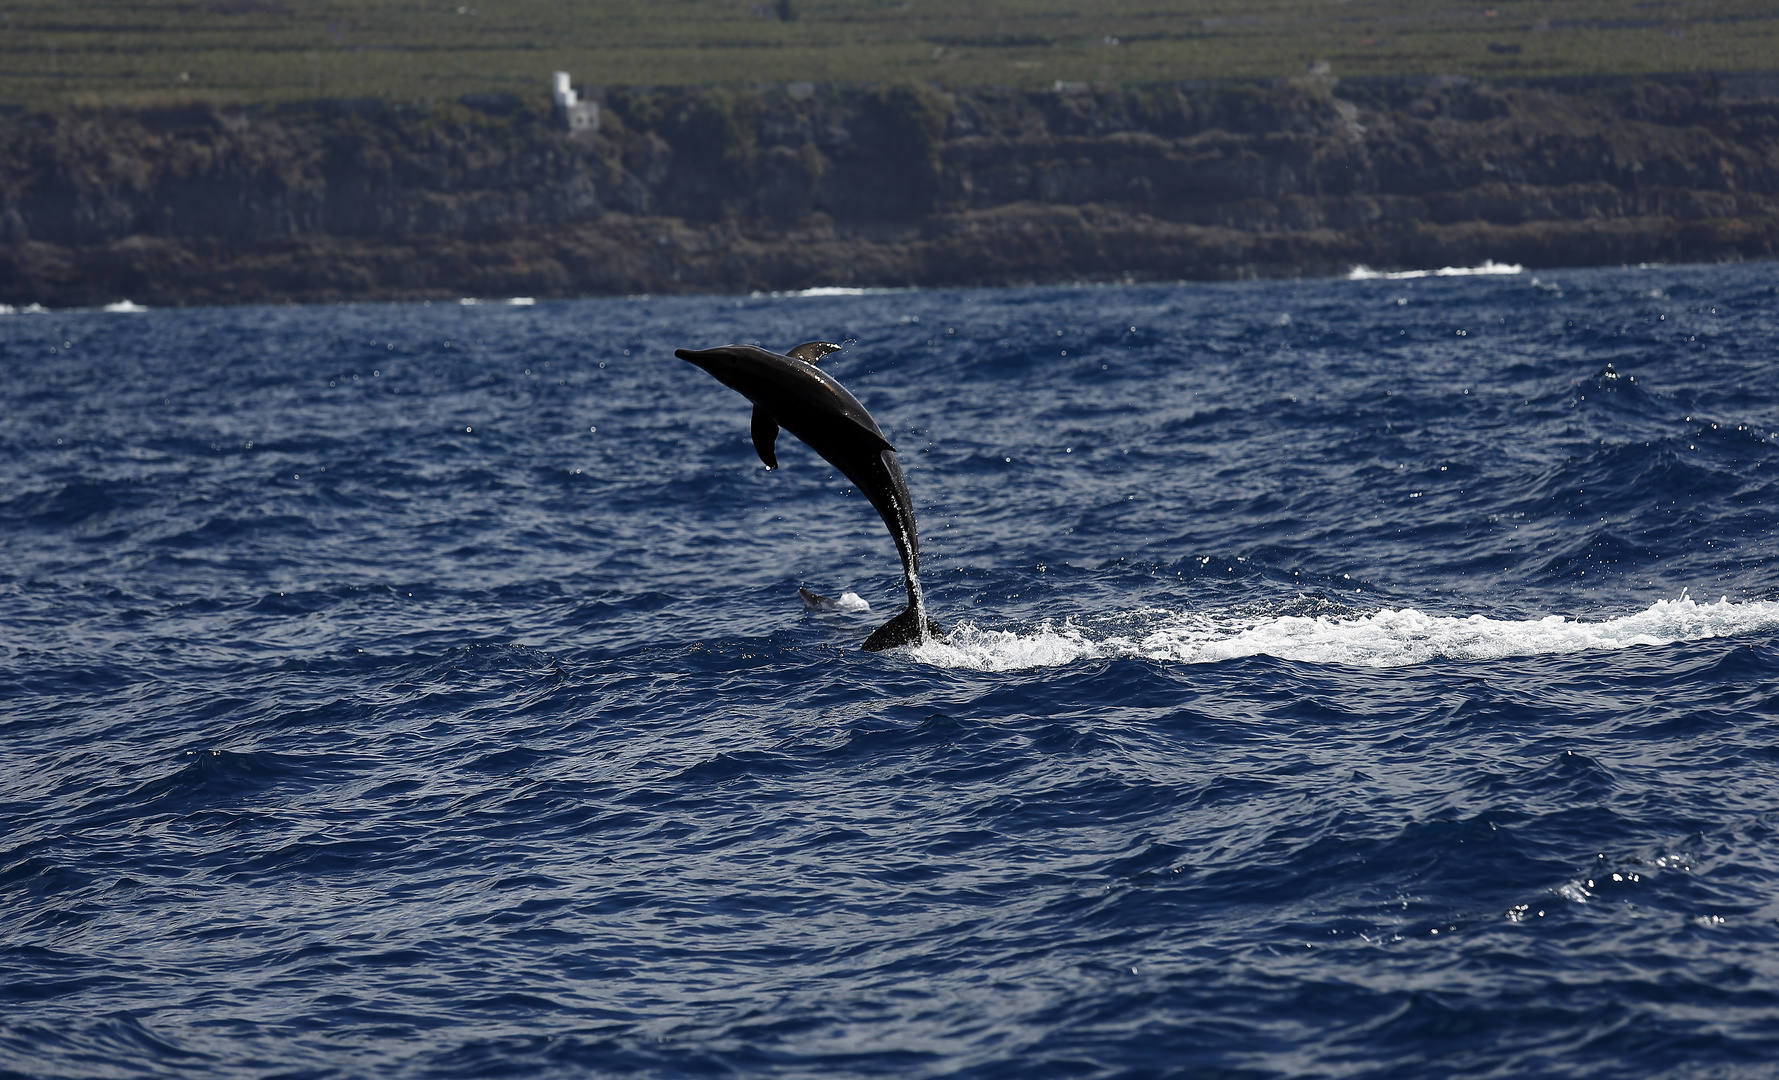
1347 678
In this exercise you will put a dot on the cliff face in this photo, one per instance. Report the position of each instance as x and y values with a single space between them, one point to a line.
341 170
787 188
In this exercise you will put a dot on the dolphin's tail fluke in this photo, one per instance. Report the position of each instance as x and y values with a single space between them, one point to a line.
904 629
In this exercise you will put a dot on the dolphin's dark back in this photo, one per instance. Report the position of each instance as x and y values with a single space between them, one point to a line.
812 405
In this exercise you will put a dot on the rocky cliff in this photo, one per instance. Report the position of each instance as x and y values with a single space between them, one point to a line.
796 186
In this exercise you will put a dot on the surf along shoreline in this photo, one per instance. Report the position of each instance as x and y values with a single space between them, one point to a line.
797 186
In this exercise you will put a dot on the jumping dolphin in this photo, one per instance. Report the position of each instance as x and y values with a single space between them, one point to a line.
789 391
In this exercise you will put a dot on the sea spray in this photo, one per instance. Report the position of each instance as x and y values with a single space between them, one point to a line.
1383 638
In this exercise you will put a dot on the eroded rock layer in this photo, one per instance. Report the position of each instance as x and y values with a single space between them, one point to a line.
799 186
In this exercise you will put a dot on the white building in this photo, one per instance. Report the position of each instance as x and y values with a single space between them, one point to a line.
581 117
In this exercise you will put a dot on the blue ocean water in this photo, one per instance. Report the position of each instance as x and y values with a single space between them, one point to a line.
1351 678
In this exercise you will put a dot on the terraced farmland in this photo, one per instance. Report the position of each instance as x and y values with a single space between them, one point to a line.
154 52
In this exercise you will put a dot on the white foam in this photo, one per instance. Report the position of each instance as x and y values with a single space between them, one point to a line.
849 602
522 301
1489 266
831 290
125 306
1384 638
8 309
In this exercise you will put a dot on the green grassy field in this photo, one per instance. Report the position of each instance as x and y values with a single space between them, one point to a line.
145 52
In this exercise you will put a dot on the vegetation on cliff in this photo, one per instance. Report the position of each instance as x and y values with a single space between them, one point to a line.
161 52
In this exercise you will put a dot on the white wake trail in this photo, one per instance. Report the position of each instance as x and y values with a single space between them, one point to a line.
1381 639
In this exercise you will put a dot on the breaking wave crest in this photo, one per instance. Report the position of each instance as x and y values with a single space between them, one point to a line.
1489 267
1383 638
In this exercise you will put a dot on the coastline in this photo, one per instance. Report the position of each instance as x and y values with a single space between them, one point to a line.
783 188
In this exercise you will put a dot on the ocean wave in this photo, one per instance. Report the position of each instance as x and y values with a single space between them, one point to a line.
1384 638
1489 266
831 290
485 672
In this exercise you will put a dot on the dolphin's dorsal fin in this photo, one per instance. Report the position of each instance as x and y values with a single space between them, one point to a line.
813 351
766 437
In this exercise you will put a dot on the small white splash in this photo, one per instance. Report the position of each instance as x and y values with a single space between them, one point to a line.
8 309
1381 639
829 290
849 601
33 309
1003 650
469 301
1489 266
522 301
124 306
1362 272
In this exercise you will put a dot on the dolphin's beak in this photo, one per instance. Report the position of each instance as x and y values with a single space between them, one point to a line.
704 358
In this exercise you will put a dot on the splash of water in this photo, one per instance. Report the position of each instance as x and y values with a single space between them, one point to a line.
1489 266
1384 638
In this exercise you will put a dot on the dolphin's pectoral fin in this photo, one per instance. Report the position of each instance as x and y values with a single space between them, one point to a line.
766 437
813 351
